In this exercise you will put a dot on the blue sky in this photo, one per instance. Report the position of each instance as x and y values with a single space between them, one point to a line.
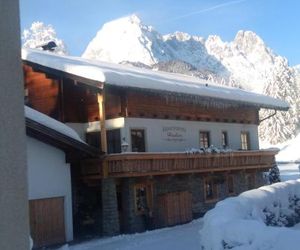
77 21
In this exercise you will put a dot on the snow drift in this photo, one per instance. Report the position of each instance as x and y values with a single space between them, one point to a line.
256 219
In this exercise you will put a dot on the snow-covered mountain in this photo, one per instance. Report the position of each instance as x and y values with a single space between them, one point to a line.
245 62
40 34
246 58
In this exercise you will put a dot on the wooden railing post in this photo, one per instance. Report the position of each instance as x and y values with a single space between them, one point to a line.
105 166
101 105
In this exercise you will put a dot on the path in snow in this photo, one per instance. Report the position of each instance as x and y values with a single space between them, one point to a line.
174 238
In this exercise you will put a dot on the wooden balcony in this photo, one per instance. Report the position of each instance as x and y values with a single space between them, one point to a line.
145 164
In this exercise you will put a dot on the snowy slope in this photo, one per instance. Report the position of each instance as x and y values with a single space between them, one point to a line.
290 151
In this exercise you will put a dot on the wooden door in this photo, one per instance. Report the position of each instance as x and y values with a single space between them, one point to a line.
174 208
47 224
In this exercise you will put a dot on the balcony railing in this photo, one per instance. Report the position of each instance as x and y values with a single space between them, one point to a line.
143 164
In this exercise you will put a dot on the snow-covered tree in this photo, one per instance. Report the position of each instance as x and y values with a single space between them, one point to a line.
282 85
274 174
40 34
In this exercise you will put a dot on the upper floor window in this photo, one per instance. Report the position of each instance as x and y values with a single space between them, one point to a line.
204 139
138 140
113 141
224 139
245 141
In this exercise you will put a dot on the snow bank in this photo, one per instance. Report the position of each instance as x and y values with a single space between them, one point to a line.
240 222
51 123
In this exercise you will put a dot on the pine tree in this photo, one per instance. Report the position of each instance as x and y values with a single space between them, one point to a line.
40 34
274 174
282 85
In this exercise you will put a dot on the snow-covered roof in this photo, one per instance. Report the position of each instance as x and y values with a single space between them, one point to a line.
51 123
127 76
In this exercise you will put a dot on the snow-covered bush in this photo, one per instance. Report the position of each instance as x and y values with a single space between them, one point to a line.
256 219
274 174
211 149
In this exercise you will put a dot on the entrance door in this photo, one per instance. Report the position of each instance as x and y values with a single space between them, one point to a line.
47 225
174 208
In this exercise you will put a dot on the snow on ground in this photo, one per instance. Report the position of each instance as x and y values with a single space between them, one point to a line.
173 238
244 219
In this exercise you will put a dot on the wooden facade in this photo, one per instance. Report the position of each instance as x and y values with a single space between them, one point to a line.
61 98
138 104
70 101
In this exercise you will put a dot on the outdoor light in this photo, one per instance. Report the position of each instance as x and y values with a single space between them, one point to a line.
124 145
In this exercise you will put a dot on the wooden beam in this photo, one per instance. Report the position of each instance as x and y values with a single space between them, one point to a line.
101 105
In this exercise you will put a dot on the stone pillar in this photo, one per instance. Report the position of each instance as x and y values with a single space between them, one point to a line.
128 205
14 228
110 214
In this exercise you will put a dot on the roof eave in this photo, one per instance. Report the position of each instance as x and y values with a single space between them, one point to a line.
57 139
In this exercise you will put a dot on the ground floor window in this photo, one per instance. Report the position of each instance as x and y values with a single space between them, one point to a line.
143 198
210 190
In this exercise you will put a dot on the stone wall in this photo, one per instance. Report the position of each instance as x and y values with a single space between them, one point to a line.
131 222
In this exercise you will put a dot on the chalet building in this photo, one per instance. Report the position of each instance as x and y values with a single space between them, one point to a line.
150 127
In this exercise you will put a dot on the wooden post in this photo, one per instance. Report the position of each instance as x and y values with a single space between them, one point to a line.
101 104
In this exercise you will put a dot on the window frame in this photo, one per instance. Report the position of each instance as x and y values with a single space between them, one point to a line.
208 138
145 138
245 145
149 197
116 145
226 142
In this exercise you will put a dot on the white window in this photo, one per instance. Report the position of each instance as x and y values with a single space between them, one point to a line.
204 139
245 142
